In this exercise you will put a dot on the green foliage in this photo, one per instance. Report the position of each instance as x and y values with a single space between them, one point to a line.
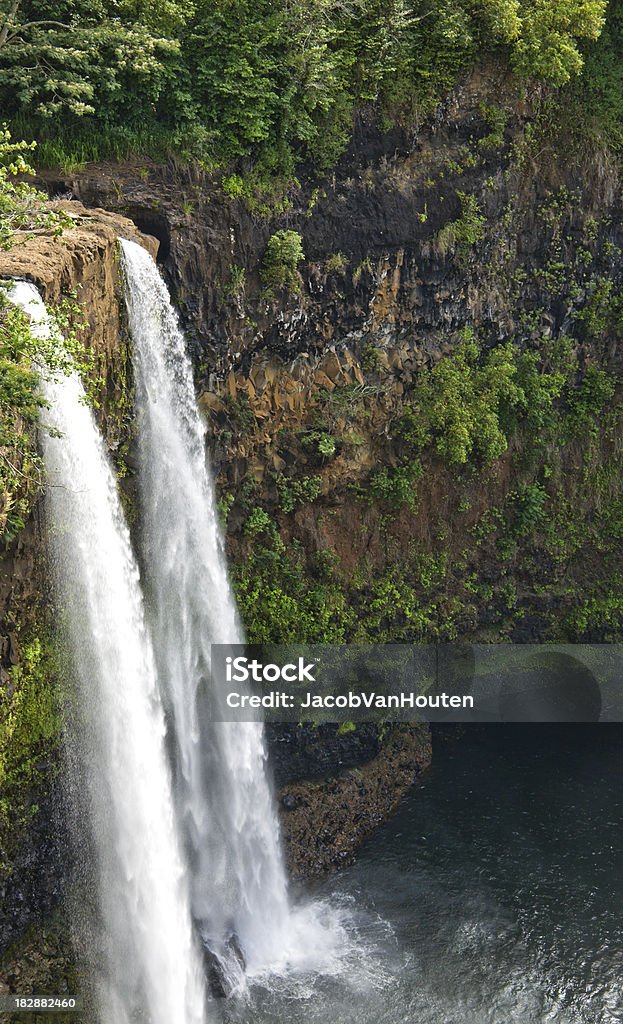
235 287
469 403
116 62
223 507
598 619
29 727
462 234
284 252
396 486
547 42
325 444
587 401
526 509
336 263
594 106
392 611
275 81
22 401
264 189
603 311
23 213
20 404
462 400
280 601
297 492
258 521
540 387
496 119
370 357
22 207
241 412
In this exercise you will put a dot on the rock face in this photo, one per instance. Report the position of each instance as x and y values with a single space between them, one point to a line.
318 751
466 226
324 822
83 260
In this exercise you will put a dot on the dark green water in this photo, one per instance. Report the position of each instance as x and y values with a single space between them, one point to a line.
494 896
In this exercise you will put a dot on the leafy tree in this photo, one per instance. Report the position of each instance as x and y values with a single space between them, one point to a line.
274 80
284 252
22 207
76 58
551 30
461 402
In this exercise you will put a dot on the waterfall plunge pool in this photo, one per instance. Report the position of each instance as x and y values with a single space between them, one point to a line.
494 896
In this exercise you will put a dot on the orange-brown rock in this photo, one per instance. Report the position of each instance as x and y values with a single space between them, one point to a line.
82 262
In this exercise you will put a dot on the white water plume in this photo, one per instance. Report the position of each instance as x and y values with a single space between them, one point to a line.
238 882
223 796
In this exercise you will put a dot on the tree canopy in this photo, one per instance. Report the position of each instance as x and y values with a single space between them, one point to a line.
272 78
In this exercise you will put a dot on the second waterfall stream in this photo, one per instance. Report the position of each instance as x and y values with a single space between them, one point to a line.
238 887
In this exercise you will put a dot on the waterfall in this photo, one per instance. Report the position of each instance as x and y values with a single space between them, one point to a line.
238 884
150 967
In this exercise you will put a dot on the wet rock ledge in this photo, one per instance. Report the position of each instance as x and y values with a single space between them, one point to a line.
324 822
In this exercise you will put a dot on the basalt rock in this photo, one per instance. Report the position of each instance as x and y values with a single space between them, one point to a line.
325 821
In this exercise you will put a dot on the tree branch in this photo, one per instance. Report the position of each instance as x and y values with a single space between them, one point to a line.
4 32
22 28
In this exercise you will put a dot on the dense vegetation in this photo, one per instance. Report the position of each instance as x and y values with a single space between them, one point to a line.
276 81
456 423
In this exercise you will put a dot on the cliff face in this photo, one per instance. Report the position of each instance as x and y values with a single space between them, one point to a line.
486 226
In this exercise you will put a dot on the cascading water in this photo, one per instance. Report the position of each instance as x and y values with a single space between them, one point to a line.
151 968
238 885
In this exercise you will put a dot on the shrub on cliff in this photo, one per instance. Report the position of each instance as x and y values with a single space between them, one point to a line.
22 207
467 405
284 252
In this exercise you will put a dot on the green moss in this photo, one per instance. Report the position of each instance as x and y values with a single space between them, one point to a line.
30 726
